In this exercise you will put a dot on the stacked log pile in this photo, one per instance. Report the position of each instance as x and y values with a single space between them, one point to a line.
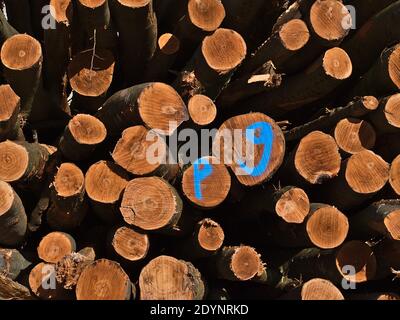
108 193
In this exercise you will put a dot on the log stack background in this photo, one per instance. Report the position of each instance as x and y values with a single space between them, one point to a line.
85 215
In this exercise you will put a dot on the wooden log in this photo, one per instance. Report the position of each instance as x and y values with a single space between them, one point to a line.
202 110
81 136
136 23
54 246
70 267
57 50
315 289
356 108
157 105
19 15
166 278
321 78
103 280
354 135
69 205
22 58
387 257
315 160
128 244
206 240
12 290
258 165
104 184
387 119
151 204
384 77
133 153
9 109
90 75
380 218
95 19
6 30
384 296
168 46
212 65
12 217
166 18
37 16
394 175
206 183
361 177
12 263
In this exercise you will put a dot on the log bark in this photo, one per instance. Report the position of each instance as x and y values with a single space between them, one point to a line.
12 263
54 246
166 278
6 30
387 257
11 290
386 119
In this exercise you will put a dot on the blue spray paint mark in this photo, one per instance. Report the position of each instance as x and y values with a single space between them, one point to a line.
266 136
200 174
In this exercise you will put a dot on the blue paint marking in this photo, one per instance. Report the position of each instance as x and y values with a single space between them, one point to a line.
200 174
266 136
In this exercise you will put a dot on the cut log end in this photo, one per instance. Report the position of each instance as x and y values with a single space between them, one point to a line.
392 111
14 160
224 50
320 289
210 235
328 18
6 196
130 244
21 52
134 3
104 183
357 255
103 280
246 263
317 157
392 224
294 34
394 66
327 227
370 103
166 278
337 64
162 108
150 203
40 279
293 206
62 11
54 246
86 129
202 110
69 180
354 135
9 103
90 73
366 172
394 175
92 4
206 15
168 44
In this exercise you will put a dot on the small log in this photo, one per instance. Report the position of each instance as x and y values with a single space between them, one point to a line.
361 177
132 152
19 15
168 46
103 280
70 267
354 135
13 220
359 107
136 24
55 245
129 244
157 105
11 290
315 160
12 263
151 204
394 175
166 278
206 240
315 289
202 110
9 109
68 207
104 184
90 75
380 218
321 78
387 118
267 142
212 65
81 136
206 183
